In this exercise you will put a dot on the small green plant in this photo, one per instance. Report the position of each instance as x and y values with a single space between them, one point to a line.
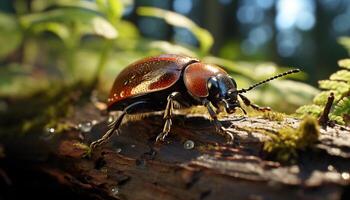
273 116
285 144
339 84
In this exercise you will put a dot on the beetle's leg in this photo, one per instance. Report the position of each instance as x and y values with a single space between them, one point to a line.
219 128
115 125
168 114
247 102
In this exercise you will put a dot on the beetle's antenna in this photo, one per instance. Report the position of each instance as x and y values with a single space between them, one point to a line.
269 79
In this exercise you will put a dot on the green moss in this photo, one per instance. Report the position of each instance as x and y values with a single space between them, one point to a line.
273 116
284 145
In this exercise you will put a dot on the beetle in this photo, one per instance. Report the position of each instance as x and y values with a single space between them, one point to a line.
156 83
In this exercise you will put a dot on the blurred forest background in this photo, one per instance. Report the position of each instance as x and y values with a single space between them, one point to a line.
47 44
59 58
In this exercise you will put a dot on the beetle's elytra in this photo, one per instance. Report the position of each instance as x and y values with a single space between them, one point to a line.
154 83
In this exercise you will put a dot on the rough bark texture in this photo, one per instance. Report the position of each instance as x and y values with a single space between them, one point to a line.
196 163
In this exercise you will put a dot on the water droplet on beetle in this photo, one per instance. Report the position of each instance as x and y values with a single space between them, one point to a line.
85 127
110 119
189 144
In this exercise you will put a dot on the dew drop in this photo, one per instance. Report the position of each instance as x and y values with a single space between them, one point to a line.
94 122
85 127
118 150
189 144
122 94
49 133
115 191
345 175
330 168
51 130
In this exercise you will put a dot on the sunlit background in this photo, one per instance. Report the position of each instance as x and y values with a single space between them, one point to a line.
62 42
301 33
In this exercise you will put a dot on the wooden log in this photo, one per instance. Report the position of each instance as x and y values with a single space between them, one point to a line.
195 162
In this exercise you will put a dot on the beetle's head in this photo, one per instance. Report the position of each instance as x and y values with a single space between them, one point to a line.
223 93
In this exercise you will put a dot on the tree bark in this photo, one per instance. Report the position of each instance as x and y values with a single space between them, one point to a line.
195 162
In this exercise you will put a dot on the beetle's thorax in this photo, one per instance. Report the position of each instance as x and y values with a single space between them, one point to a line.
206 81
196 77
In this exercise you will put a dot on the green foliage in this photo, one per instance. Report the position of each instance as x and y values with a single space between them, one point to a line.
339 85
54 45
284 145
55 38
10 34
204 37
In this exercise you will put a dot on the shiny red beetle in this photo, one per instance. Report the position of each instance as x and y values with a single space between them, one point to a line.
154 83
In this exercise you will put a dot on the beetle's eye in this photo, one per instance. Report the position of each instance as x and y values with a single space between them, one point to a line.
232 93
212 82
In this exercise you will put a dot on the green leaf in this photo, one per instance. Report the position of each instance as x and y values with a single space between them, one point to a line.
41 5
103 28
342 75
341 87
167 47
89 21
10 34
58 29
345 63
290 92
203 36
113 9
230 66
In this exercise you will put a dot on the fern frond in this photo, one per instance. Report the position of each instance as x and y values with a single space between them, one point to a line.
342 107
321 98
341 75
344 63
341 87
